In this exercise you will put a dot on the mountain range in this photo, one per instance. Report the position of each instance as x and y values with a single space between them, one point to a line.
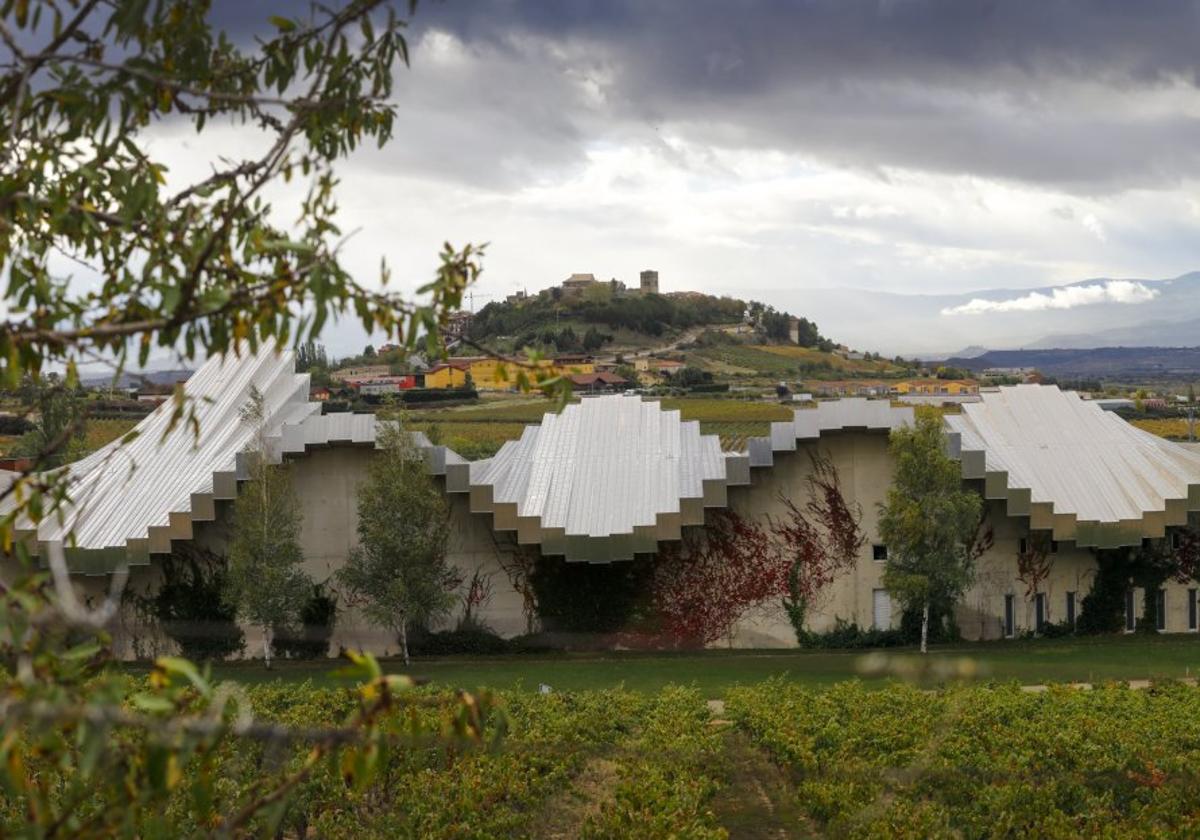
1099 312
135 379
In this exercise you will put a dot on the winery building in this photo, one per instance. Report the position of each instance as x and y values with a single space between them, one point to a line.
614 479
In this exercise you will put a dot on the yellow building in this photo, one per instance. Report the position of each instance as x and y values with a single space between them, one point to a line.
940 387
489 374
451 375
573 365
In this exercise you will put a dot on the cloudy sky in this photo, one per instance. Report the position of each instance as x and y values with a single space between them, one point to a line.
774 148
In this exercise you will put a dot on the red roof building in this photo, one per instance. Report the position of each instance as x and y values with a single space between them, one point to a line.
595 382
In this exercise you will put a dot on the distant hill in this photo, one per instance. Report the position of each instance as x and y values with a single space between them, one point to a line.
1167 313
133 380
1103 363
603 319
1148 334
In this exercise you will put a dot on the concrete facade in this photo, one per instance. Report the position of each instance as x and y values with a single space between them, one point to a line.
327 481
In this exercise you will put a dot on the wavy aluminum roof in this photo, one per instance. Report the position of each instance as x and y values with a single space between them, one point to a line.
612 476
1073 468
606 478
130 500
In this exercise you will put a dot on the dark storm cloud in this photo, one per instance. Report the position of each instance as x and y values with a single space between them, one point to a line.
701 44
1069 94
1044 92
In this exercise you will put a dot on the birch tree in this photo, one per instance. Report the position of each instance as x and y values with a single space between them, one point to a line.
266 584
398 572
929 521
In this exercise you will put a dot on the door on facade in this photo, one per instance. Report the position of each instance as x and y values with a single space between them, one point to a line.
1039 611
881 609
1130 614
1010 616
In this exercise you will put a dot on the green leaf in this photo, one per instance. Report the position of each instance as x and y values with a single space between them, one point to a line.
153 703
83 651
176 666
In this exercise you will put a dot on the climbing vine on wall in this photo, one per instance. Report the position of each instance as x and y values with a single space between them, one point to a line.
1148 566
821 539
704 584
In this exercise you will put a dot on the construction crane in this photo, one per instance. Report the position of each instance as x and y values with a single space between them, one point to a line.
471 298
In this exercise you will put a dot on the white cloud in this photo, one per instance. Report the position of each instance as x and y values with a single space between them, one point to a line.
1094 226
1114 291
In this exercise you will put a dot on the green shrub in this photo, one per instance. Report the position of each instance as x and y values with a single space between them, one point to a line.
849 636
190 604
468 639
311 639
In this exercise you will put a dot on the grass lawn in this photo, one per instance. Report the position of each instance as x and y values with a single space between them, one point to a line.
1038 661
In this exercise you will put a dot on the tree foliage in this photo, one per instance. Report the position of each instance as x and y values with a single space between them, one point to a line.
929 522
59 428
108 255
649 314
265 581
398 572
189 267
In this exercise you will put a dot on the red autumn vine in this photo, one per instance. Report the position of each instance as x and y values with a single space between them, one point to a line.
1034 562
821 540
705 584
709 580
1185 564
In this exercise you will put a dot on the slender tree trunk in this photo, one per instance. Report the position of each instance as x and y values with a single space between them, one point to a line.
925 628
404 641
268 641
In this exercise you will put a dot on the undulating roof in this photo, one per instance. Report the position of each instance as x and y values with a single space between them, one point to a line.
1073 468
613 476
607 478
131 500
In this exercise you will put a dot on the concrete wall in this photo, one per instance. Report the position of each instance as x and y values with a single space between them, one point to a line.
326 483
864 472
327 480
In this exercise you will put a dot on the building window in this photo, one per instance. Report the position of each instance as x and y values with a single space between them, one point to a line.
1071 609
1160 610
1039 611
1130 615
881 609
1023 546
1010 616
879 552
1192 609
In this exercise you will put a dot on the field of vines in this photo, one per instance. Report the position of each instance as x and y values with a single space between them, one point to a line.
785 361
1174 428
777 760
478 431
983 762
